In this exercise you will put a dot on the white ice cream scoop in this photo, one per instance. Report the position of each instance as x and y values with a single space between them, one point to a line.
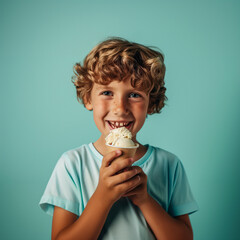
124 142
120 137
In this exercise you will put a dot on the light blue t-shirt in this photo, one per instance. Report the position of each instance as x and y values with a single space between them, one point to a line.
75 179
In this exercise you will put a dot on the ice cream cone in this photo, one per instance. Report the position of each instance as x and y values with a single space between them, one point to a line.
127 152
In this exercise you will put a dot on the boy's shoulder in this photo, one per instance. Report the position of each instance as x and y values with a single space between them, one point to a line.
164 153
73 152
75 155
166 161
160 154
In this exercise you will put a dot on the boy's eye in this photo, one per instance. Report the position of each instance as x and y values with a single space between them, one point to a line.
107 93
134 95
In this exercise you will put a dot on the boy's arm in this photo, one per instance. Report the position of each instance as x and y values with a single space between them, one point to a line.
65 224
111 187
161 223
165 226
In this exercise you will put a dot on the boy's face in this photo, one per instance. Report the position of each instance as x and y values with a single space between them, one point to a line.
118 104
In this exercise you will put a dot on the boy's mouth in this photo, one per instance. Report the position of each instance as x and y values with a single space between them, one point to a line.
118 124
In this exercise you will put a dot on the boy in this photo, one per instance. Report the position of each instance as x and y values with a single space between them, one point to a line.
88 194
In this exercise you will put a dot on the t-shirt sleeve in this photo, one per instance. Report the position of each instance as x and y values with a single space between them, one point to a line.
181 198
63 188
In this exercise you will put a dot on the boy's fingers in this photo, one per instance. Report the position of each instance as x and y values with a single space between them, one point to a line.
119 166
108 158
133 191
123 176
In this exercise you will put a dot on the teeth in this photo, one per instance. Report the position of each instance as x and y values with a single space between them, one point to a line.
118 124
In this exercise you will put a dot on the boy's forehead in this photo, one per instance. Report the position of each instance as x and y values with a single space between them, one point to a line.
113 83
98 86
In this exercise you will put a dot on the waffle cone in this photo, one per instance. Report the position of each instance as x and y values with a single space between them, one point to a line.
126 152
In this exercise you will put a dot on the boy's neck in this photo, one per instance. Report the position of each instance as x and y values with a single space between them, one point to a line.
101 148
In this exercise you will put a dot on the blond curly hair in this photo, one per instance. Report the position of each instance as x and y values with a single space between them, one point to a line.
119 59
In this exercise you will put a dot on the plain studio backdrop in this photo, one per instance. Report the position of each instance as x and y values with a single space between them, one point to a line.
41 118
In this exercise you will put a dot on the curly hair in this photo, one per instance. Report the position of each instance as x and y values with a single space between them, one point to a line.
119 59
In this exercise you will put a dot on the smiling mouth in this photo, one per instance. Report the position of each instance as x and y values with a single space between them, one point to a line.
114 124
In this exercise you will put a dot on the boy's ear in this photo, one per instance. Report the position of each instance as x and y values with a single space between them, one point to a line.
87 104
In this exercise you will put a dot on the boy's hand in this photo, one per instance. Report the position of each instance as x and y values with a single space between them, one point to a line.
139 195
116 177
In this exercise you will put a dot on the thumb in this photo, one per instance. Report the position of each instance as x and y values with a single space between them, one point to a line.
109 157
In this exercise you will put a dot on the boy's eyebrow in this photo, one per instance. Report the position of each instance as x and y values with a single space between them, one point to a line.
99 87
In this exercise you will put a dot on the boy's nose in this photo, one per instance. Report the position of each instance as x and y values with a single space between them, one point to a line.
120 107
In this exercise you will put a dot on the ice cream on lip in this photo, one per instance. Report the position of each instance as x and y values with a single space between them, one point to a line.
120 137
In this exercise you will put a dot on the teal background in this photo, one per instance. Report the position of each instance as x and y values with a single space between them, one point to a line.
41 118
